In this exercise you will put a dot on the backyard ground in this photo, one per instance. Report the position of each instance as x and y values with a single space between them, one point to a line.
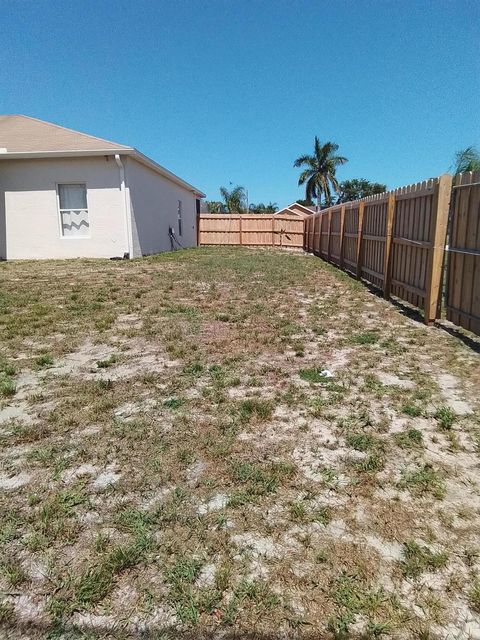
175 465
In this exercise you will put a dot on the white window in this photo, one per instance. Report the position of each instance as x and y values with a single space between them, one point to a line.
179 217
72 199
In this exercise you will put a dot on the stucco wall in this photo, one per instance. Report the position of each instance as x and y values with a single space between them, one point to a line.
28 197
154 208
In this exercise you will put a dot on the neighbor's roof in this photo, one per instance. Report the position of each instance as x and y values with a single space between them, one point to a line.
296 209
26 137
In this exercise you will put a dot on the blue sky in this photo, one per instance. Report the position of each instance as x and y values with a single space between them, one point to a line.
234 90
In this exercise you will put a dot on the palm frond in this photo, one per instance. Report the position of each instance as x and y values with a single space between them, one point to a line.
306 159
307 173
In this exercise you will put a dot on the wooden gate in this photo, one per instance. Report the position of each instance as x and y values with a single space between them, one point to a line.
462 299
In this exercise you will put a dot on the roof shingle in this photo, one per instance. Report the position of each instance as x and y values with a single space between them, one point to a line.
22 134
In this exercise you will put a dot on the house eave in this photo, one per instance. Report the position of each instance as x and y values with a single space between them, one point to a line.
145 160
122 151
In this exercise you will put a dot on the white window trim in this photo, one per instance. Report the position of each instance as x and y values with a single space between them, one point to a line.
59 211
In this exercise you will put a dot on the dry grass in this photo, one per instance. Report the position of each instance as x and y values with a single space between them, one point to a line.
175 465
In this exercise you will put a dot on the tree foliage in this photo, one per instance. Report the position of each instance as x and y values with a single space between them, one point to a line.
214 206
235 199
467 159
261 208
318 175
306 203
357 188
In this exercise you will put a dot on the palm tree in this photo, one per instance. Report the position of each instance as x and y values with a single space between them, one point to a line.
272 207
235 200
261 208
319 175
467 160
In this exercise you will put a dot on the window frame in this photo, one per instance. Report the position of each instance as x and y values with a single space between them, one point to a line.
59 210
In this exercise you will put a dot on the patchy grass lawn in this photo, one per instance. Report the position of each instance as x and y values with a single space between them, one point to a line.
175 464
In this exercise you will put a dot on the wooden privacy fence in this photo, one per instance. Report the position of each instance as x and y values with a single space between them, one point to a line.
250 230
394 240
462 297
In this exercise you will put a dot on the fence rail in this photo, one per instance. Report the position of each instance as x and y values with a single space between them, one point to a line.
393 240
250 230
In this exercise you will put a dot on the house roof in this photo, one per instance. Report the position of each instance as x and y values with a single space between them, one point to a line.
295 209
20 134
26 137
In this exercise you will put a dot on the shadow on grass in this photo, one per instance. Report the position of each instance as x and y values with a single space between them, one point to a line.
413 313
470 340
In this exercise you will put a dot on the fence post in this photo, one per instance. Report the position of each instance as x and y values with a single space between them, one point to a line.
361 208
329 228
387 267
342 225
240 227
318 222
433 282
273 231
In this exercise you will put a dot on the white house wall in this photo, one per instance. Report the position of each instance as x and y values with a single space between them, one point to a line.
29 209
154 208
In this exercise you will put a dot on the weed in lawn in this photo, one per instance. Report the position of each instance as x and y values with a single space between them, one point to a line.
371 464
44 361
182 595
411 410
7 385
419 558
257 593
298 511
322 515
321 556
186 456
43 456
56 518
352 597
330 477
194 369
6 612
257 481
445 417
12 571
409 439
367 337
173 403
312 375
254 408
7 382
373 384
423 480
109 362
474 595
377 629
94 584
361 441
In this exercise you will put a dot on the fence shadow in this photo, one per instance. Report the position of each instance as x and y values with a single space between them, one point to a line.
470 341
415 314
